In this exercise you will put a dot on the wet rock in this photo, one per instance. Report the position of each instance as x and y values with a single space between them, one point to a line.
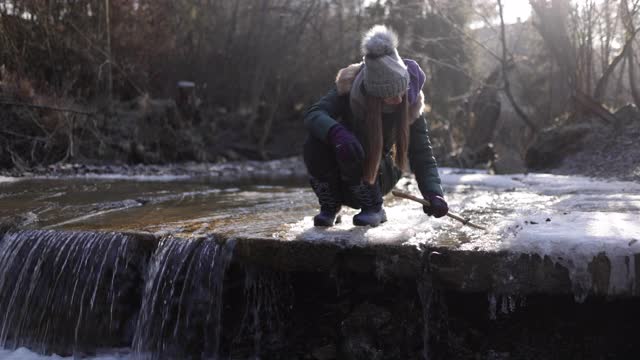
7 225
359 332
327 352
628 114
507 161
552 145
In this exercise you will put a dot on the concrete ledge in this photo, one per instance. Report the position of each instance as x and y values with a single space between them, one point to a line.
358 290
457 270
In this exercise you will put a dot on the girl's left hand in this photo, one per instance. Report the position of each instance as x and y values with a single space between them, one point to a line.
439 206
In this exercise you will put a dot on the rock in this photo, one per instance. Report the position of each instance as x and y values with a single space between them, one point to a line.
628 114
232 155
359 332
326 352
7 225
552 145
507 161
482 156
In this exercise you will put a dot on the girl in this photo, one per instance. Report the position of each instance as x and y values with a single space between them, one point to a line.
365 130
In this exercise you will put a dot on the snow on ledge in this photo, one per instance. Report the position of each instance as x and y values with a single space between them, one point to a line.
571 219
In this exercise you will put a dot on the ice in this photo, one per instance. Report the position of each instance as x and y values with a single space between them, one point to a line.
528 213
5 179
571 219
140 178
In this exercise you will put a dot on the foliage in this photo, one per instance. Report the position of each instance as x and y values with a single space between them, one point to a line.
262 62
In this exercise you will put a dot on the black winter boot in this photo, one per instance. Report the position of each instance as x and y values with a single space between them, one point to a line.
329 198
370 199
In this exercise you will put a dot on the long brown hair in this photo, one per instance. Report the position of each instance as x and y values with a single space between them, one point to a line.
373 137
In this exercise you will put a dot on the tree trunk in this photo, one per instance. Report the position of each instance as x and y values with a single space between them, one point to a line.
635 93
553 30
629 15
266 132
505 76
108 51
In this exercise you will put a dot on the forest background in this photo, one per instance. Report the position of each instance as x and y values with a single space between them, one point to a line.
165 81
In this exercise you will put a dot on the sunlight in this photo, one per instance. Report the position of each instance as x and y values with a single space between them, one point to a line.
515 10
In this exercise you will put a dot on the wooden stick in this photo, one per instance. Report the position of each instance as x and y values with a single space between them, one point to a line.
464 221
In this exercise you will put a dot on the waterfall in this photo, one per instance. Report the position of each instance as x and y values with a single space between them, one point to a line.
61 290
181 311
267 297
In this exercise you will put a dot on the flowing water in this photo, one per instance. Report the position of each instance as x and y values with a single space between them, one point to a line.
189 207
56 288
182 303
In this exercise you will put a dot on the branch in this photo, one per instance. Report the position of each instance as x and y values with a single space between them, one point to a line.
44 107
464 33
464 221
635 92
107 56
604 79
593 106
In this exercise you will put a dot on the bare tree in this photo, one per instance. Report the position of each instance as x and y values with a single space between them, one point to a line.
629 14
109 73
505 61
553 17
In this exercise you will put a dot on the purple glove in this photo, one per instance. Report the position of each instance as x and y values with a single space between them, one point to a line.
439 206
349 152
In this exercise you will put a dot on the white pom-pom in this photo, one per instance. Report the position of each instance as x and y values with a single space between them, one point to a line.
379 41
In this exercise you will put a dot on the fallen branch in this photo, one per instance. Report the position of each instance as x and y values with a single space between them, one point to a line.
44 107
464 221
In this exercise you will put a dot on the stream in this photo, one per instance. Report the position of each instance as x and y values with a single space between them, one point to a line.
159 298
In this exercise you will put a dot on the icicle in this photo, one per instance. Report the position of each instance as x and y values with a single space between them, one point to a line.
622 278
492 306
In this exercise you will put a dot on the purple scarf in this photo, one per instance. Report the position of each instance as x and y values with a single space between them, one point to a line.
416 80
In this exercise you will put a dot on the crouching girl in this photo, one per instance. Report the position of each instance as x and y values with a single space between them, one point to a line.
366 130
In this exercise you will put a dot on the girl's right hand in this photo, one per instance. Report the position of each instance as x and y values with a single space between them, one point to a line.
349 151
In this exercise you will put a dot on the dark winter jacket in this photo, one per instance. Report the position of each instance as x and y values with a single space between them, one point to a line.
334 107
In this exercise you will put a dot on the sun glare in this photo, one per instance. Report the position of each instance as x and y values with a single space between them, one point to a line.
516 9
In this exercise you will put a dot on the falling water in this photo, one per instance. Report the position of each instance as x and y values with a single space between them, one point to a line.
425 291
59 291
267 295
181 314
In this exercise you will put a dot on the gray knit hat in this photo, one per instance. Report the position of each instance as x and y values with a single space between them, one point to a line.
385 74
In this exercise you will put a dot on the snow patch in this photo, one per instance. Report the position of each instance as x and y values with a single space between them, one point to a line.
139 178
568 218
6 179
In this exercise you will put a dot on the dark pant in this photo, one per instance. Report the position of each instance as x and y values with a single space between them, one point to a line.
320 159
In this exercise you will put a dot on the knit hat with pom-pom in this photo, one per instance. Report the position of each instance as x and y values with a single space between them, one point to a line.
385 74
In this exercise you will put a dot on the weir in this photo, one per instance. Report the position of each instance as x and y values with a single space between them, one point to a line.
69 291
75 293
159 275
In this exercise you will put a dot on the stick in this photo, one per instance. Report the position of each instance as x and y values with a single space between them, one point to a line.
10 103
464 221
